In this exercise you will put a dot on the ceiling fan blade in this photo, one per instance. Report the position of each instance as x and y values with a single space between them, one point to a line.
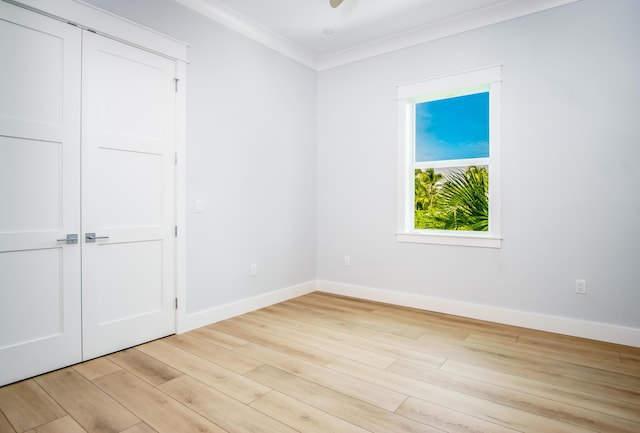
335 3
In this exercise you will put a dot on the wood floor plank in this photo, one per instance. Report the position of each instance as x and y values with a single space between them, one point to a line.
584 358
548 377
389 326
288 311
448 420
332 299
26 405
140 428
561 347
350 409
5 426
445 324
548 371
436 323
463 324
232 384
435 346
96 368
340 325
497 338
256 336
230 414
318 300
361 317
94 410
213 353
154 407
321 318
432 324
553 393
301 416
630 361
602 372
392 353
65 424
492 403
618 382
571 341
144 366
315 337
227 341
349 385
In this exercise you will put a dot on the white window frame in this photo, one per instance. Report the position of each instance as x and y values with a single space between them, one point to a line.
448 86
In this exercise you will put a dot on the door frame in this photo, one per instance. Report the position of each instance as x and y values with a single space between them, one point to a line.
112 26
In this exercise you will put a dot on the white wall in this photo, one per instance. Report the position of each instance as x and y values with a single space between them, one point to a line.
251 132
571 99
571 106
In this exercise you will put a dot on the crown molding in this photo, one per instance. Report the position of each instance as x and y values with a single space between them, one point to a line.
500 12
228 17
481 18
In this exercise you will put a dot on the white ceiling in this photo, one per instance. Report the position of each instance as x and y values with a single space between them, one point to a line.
315 34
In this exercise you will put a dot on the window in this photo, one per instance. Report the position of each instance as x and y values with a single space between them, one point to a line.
449 166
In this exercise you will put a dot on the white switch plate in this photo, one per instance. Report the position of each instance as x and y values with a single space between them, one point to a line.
581 287
199 205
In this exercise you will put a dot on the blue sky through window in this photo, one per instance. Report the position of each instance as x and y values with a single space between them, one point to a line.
453 128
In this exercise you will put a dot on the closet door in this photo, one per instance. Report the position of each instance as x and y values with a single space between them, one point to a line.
39 194
128 277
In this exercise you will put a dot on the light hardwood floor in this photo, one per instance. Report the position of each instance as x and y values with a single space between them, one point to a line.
322 363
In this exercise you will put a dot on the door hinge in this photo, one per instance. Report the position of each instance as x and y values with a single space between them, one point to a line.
175 158
175 80
176 303
175 231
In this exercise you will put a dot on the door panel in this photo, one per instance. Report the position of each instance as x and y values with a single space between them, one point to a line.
40 325
131 112
40 291
36 205
128 196
133 200
131 272
38 54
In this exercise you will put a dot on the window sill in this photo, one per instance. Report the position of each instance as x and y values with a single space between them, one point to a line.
456 239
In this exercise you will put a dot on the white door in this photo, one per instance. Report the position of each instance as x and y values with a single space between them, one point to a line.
39 194
128 276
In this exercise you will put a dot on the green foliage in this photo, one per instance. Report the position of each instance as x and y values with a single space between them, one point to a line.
426 187
459 201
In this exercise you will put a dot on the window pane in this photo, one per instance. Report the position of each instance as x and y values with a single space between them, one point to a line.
454 198
453 128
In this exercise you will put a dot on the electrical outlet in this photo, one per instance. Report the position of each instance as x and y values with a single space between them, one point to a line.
254 269
347 260
581 287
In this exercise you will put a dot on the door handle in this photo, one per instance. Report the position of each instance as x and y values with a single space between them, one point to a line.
91 237
71 238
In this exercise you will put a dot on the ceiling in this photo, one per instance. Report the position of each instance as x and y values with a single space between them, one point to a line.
321 37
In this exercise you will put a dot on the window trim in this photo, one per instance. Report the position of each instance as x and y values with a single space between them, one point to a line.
448 86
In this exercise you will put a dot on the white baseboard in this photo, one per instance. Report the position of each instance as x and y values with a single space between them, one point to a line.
226 311
542 322
560 325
